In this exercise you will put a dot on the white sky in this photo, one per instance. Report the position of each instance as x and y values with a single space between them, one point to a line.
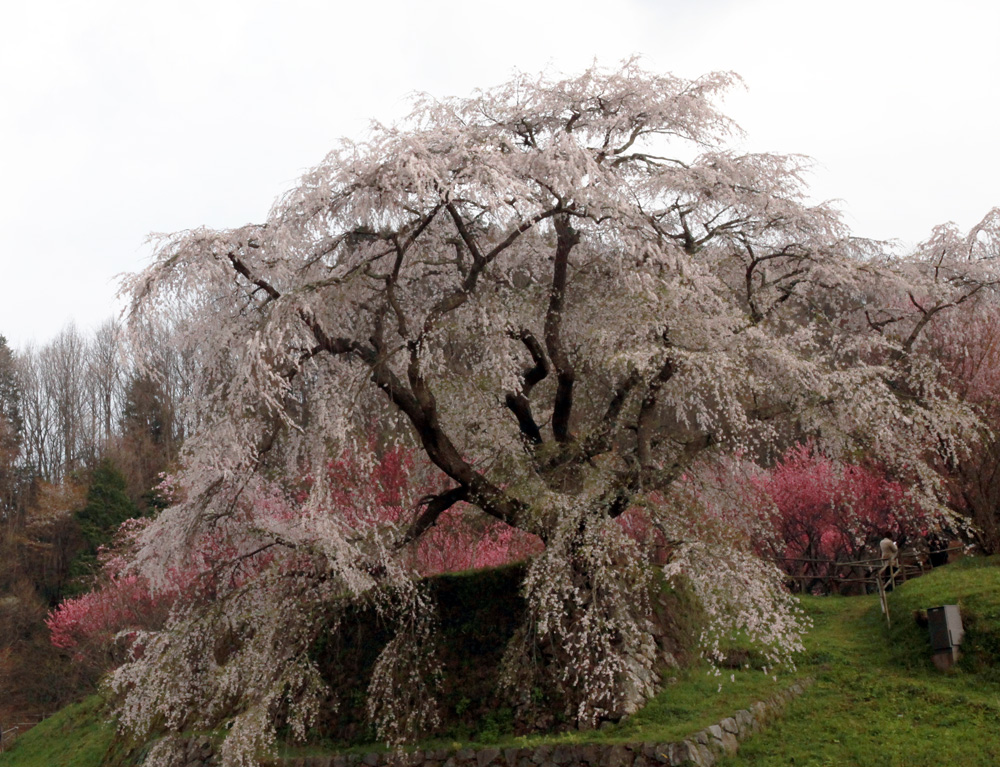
122 118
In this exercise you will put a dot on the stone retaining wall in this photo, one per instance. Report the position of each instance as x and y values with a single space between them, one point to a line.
702 749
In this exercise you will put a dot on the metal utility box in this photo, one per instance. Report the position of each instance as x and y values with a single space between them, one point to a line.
945 626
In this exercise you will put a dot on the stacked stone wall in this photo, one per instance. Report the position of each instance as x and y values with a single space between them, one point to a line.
703 749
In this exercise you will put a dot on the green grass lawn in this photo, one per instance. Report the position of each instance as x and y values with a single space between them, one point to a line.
878 701
77 736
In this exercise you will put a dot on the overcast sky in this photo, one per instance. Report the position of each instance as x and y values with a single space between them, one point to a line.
118 119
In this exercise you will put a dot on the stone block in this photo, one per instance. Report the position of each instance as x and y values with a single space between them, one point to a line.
729 743
706 757
760 712
729 725
561 755
663 753
683 754
680 754
488 757
617 756
744 721
541 754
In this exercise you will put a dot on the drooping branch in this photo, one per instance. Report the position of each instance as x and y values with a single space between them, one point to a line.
518 402
520 406
390 292
244 270
927 314
785 283
600 440
420 408
637 478
646 422
459 295
619 496
434 507
417 404
661 478
540 369
467 238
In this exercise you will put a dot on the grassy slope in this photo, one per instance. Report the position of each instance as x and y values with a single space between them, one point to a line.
877 701
76 736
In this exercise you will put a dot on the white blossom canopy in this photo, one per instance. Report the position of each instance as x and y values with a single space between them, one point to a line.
571 293
550 280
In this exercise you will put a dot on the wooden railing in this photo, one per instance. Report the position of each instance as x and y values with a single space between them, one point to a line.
9 735
831 575
886 579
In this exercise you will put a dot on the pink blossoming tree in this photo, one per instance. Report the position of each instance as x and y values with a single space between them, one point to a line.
568 294
99 627
828 511
969 349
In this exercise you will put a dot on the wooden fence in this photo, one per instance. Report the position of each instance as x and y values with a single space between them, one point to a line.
8 734
861 576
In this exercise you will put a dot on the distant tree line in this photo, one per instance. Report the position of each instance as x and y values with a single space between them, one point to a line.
67 405
87 424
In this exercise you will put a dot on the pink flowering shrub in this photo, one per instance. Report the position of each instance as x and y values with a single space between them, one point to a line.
385 493
88 624
460 541
388 492
830 511
968 348
98 627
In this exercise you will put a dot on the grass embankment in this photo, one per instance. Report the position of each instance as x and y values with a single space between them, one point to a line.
877 699
689 703
76 736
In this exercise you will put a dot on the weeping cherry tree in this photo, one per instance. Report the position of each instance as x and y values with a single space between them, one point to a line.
575 299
